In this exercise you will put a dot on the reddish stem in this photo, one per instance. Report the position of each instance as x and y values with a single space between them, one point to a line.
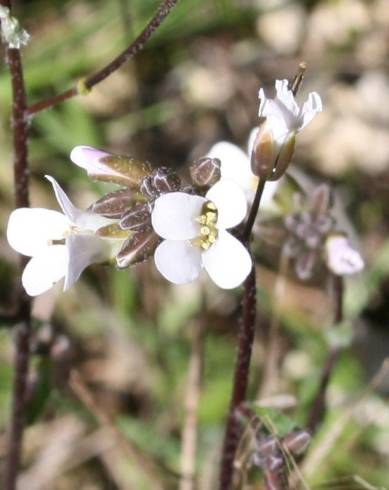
134 48
23 330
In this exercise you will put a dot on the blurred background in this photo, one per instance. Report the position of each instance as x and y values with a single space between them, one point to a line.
131 339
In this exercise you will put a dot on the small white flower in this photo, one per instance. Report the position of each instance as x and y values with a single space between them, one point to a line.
235 166
194 229
283 119
61 245
283 115
11 31
342 258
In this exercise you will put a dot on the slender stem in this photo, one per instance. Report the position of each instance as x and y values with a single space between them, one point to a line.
318 407
88 83
241 375
23 307
253 211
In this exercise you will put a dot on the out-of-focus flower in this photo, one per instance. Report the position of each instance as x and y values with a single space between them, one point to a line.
195 236
11 31
60 245
235 166
341 257
282 119
120 169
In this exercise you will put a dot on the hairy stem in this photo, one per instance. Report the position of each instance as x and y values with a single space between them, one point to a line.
318 407
23 306
243 357
89 82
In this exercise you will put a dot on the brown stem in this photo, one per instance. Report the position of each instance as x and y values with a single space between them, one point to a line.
88 83
318 407
23 330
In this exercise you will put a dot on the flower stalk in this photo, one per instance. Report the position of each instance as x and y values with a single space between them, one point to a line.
84 86
23 307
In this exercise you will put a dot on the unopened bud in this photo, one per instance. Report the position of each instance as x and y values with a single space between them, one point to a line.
136 218
297 442
138 248
205 172
161 181
114 204
342 259
119 169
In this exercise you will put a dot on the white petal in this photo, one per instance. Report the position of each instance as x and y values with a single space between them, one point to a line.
284 95
250 142
178 261
230 202
84 250
30 230
45 269
311 107
235 164
83 219
227 262
174 215
89 158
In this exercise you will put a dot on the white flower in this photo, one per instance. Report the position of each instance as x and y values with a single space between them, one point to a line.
283 119
342 258
235 166
194 229
61 245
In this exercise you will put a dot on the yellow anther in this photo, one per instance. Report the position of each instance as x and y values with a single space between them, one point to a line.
204 230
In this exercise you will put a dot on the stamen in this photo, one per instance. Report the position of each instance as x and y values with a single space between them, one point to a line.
208 230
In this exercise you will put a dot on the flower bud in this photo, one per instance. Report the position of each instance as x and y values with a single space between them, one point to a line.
119 169
161 181
342 259
297 441
114 204
205 172
136 218
137 248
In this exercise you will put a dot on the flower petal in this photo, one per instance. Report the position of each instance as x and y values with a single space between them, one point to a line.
89 158
178 261
83 251
311 107
235 164
230 202
30 230
227 262
286 97
45 269
83 219
174 215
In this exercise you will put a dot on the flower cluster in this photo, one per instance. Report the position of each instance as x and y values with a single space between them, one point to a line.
184 226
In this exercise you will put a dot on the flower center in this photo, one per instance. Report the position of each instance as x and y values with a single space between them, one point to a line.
208 230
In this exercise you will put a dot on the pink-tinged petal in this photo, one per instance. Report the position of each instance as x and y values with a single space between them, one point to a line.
227 261
311 107
84 250
89 159
178 261
174 215
83 219
342 258
235 164
45 269
230 202
31 229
